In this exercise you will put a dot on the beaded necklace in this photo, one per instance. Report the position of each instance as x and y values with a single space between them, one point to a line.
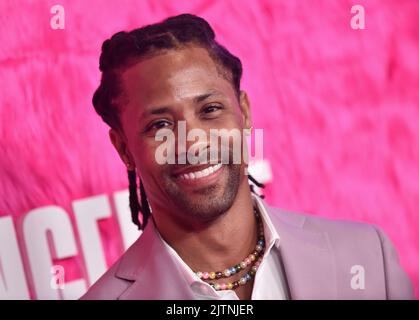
253 260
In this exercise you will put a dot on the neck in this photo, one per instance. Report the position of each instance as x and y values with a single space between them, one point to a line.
219 244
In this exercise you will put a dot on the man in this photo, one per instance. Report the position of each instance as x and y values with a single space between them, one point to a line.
209 236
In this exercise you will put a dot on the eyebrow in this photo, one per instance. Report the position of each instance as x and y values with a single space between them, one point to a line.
166 109
204 96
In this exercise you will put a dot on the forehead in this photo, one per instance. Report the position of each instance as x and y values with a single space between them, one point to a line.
173 76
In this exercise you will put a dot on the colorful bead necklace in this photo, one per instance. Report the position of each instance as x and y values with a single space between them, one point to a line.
253 260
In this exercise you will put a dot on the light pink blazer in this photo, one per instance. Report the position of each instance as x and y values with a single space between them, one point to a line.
317 256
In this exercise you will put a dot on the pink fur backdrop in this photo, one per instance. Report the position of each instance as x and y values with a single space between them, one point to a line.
339 108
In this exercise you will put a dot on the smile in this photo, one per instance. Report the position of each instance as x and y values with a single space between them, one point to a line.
201 173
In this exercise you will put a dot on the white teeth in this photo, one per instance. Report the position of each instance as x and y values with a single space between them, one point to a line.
202 173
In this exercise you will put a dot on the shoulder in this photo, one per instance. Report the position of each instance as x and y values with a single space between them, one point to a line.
348 242
351 244
335 228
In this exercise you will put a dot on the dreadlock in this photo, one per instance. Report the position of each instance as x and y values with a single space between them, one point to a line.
124 49
257 183
134 204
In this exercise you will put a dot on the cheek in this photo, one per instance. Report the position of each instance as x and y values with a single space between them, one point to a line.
145 156
236 117
229 120
141 149
151 171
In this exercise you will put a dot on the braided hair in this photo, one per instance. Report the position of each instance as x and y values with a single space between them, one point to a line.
124 49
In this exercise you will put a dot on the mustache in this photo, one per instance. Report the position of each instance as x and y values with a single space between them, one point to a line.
204 154
201 153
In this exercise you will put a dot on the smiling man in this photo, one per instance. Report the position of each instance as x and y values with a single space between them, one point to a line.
206 234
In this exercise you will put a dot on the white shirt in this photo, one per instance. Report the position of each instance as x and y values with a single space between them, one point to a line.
269 281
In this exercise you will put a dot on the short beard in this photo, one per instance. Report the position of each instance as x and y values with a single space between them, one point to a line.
210 203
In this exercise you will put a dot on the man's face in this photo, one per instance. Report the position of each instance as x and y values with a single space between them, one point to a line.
182 85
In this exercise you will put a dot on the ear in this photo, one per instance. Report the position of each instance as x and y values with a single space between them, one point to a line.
245 108
119 142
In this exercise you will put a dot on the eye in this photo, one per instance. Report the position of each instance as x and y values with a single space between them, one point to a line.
211 108
156 125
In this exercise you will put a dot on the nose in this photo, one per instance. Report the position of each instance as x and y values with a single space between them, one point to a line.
192 142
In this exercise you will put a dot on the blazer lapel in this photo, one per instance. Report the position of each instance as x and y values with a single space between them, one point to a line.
152 270
306 256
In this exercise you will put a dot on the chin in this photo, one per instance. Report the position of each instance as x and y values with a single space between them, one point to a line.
206 203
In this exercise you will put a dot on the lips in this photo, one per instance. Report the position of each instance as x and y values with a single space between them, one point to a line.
200 173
